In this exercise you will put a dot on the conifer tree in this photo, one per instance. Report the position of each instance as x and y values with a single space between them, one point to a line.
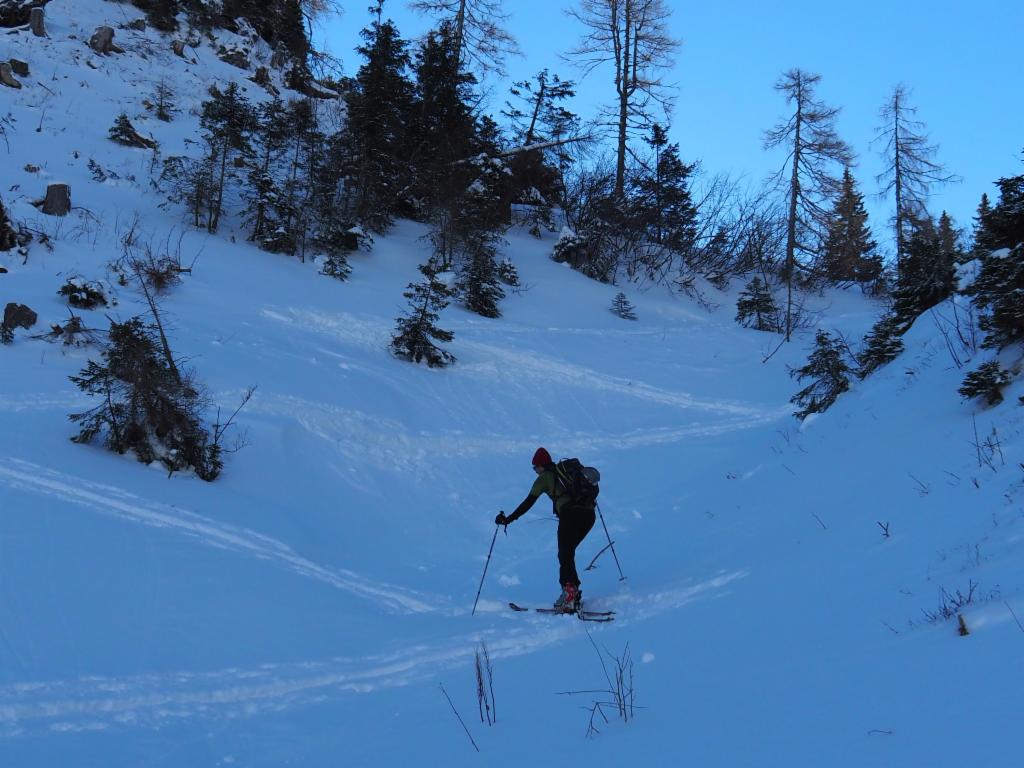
849 253
479 38
622 307
927 276
227 121
539 119
264 189
981 243
146 405
828 371
476 229
882 345
910 170
756 307
661 196
988 381
813 147
414 331
8 238
379 108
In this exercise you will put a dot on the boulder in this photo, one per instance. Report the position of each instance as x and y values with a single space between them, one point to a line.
7 76
19 316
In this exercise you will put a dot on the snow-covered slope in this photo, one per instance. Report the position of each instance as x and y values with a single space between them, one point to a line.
306 607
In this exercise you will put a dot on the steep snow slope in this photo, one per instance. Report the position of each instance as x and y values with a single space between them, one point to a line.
304 608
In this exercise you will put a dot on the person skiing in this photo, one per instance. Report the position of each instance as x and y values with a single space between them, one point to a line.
574 523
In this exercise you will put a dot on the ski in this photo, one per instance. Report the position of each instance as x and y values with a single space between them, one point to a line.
582 615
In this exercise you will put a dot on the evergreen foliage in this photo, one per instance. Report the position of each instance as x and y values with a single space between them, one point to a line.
146 405
998 292
756 307
660 196
882 345
227 121
379 109
849 252
827 370
927 273
507 273
622 307
8 237
414 331
987 382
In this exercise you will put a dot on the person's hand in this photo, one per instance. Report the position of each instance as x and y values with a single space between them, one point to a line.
501 519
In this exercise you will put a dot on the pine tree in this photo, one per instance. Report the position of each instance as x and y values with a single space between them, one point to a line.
379 108
227 121
828 371
999 286
413 332
123 132
264 190
988 381
8 237
473 236
622 307
849 253
882 345
661 196
927 276
981 236
538 118
756 307
163 102
146 405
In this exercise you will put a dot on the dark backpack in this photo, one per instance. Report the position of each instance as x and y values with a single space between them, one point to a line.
578 481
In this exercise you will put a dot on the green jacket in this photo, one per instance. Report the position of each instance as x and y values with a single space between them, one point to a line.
546 482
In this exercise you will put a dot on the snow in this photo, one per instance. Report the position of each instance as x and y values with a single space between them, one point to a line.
304 608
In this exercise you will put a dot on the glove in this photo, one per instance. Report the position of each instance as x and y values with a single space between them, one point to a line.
501 519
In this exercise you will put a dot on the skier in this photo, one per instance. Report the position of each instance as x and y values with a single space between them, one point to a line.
574 523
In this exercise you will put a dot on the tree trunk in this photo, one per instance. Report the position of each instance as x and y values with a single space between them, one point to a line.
58 200
37 21
794 198
102 41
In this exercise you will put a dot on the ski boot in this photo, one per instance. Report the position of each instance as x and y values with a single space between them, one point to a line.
570 599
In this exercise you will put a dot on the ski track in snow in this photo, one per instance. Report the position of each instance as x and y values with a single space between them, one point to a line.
114 501
151 701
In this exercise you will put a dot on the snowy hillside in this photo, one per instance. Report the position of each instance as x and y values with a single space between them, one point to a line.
304 609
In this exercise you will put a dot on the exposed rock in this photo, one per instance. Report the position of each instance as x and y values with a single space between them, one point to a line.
139 25
178 46
16 13
3 270
102 41
58 200
19 316
262 78
7 77
235 56
20 67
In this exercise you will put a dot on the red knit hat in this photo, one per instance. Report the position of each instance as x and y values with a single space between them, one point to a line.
542 458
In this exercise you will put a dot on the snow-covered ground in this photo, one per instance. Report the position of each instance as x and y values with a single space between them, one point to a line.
306 608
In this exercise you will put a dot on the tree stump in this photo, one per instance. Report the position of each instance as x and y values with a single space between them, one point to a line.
7 76
37 22
20 67
102 41
58 200
178 46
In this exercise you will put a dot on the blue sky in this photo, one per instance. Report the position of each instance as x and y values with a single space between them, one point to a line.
959 59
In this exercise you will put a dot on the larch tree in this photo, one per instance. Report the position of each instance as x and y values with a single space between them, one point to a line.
910 169
479 37
813 150
633 36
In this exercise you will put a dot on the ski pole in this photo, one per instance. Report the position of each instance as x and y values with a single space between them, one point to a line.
481 587
611 544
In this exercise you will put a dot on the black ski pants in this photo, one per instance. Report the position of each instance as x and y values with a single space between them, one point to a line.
574 523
